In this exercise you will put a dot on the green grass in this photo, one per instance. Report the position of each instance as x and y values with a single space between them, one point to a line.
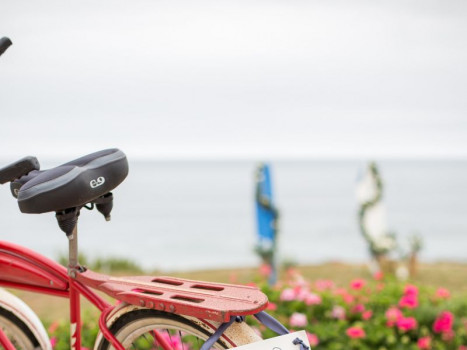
452 276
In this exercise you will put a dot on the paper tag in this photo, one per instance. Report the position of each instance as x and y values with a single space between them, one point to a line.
283 342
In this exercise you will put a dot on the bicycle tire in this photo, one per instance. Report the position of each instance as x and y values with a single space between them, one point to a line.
135 326
20 324
17 331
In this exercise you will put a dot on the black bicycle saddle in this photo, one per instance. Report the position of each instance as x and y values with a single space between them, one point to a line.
72 184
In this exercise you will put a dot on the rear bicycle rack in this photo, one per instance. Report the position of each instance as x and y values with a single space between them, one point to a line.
213 301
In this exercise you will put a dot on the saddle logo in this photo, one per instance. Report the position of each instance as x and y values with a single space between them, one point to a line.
97 182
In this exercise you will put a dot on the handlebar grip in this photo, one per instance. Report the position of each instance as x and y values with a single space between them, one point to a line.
17 169
4 44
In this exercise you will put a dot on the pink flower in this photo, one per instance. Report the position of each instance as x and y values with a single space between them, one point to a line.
443 322
338 312
358 308
174 342
410 289
424 343
287 294
378 276
53 341
292 271
406 323
312 299
340 291
301 292
409 301
393 314
355 332
53 327
298 320
357 284
312 339
462 347
271 306
324 285
348 298
367 315
265 270
442 293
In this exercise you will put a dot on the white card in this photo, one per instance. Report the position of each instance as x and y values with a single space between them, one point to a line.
283 342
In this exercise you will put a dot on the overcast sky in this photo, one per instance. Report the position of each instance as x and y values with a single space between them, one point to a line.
234 79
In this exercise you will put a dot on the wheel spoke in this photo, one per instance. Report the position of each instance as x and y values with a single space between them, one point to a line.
181 340
154 330
170 337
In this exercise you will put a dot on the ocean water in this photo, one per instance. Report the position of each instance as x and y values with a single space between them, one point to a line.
200 214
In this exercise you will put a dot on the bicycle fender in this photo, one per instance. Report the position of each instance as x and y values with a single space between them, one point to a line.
240 331
16 306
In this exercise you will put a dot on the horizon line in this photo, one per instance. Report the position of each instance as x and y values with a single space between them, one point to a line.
151 158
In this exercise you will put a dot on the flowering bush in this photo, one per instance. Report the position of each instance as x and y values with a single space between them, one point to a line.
377 314
370 314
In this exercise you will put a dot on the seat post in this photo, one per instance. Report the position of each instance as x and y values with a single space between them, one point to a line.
68 223
73 252
73 267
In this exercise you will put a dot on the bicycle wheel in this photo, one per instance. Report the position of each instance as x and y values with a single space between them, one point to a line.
17 331
20 324
135 330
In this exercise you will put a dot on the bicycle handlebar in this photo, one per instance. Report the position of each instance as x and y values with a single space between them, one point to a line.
4 44
17 169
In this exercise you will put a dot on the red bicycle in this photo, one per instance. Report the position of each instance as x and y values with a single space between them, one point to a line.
155 312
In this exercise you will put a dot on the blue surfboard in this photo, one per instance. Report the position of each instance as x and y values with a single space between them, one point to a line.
265 214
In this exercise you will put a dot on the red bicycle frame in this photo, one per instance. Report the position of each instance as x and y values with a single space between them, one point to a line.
22 268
